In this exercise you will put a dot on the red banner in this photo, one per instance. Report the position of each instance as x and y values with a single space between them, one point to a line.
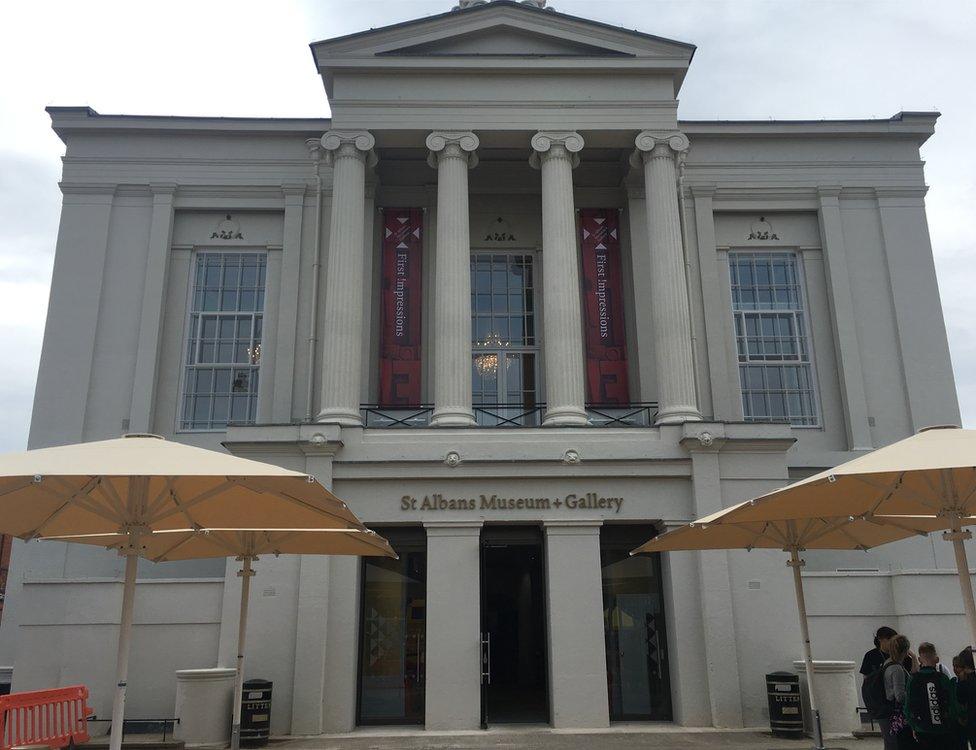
603 305
400 300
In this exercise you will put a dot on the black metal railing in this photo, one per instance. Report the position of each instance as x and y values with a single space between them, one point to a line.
502 415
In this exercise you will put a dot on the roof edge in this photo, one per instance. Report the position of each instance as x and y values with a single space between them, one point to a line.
83 119
458 12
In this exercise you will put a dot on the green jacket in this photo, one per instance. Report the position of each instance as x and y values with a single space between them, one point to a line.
931 703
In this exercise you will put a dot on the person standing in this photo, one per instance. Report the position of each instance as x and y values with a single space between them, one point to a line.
874 658
930 707
895 731
966 694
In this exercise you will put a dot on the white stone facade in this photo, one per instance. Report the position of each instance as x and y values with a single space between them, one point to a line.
477 94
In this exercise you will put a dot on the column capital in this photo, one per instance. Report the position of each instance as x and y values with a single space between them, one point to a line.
659 143
354 143
555 144
460 144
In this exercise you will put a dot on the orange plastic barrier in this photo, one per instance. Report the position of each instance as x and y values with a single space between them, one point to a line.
56 718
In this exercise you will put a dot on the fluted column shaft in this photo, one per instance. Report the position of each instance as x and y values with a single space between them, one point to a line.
555 155
452 154
671 321
342 332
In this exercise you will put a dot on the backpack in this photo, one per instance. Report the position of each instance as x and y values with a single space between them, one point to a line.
929 703
873 693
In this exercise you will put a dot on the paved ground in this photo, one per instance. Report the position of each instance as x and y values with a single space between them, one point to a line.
618 739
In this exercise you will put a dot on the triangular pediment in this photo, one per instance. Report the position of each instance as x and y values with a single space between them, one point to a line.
507 40
499 34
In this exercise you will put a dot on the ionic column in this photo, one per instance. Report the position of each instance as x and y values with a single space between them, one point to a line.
671 321
554 153
349 153
452 154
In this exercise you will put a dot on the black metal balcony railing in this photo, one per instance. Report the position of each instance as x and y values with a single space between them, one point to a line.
509 415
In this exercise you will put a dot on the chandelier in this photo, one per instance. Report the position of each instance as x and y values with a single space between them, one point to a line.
487 363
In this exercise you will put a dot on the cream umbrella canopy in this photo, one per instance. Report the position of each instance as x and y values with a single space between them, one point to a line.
246 545
931 473
139 485
724 530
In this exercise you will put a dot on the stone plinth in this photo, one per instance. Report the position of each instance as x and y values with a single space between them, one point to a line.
836 696
204 706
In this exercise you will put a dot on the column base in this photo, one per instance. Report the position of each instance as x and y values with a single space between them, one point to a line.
677 415
565 416
340 416
452 416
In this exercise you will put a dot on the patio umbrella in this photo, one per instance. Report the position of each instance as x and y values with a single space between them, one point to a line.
931 473
725 530
141 484
246 545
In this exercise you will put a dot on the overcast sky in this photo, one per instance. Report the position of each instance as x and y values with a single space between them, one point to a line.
755 59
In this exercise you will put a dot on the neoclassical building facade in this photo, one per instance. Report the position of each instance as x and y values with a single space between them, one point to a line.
520 316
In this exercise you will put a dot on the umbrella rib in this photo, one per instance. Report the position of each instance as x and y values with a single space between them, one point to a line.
920 497
298 501
85 489
969 495
776 534
160 498
187 504
180 505
189 535
895 521
369 539
17 486
113 499
888 493
827 528
846 532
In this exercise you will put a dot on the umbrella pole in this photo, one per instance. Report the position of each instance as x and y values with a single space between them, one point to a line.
125 637
796 563
246 573
958 538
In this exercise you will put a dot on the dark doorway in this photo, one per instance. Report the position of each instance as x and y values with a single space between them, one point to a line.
515 676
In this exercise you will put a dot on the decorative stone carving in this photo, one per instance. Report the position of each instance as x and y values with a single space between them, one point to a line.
453 458
498 230
648 140
762 230
445 144
354 143
227 229
559 144
572 457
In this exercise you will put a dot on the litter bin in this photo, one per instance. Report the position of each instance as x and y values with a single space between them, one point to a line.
783 695
256 713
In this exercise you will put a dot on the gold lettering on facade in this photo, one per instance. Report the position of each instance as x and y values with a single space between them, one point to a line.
484 502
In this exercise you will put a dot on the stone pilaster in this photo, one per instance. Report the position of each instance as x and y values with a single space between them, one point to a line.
452 154
555 154
671 321
349 153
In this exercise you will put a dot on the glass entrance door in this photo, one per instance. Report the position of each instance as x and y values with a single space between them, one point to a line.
393 625
633 614
515 681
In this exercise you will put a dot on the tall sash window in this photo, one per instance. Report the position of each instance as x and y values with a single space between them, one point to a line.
772 340
223 352
504 343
